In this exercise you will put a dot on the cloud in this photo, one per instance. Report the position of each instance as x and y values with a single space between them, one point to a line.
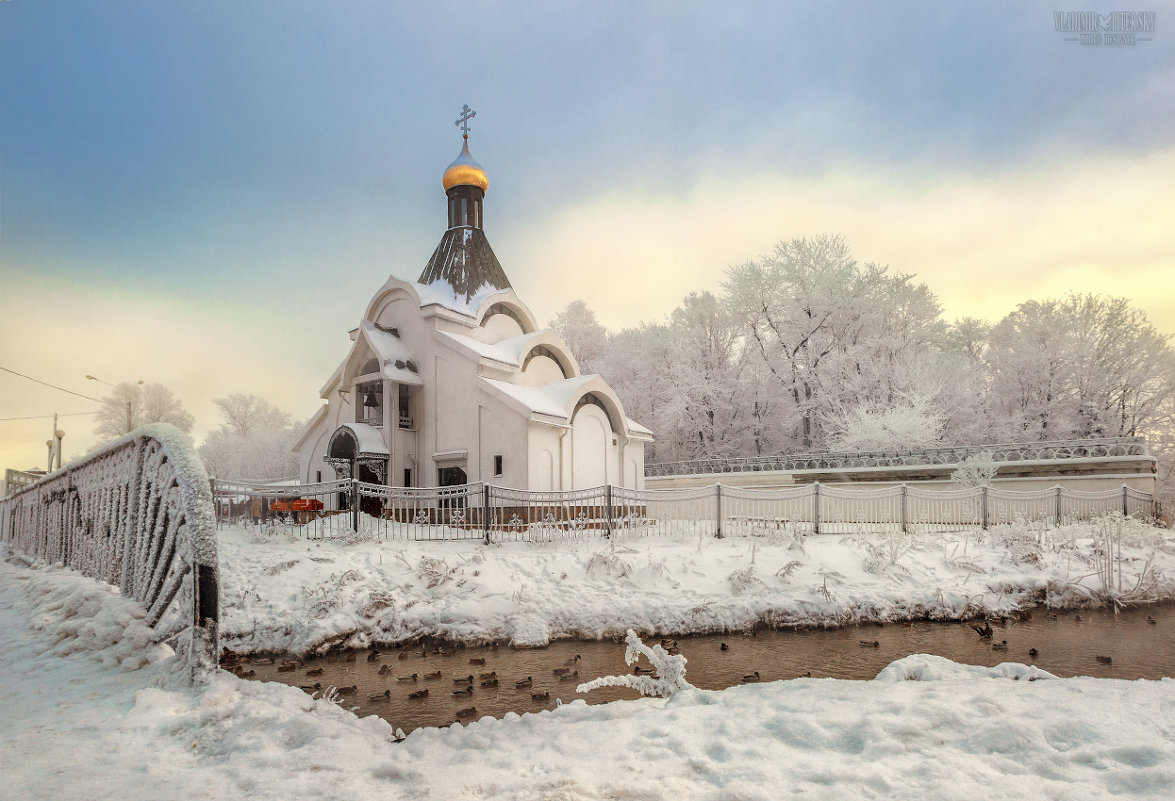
983 243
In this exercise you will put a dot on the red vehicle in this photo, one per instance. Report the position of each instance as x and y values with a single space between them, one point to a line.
296 505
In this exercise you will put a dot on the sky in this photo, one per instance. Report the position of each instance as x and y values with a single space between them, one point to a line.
207 194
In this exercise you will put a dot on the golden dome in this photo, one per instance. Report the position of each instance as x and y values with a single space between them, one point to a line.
464 171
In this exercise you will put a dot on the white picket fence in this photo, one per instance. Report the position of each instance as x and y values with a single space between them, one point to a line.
496 514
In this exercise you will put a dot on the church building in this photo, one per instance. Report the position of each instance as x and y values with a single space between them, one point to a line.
450 380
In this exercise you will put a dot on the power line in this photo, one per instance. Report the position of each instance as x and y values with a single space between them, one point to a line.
44 416
54 386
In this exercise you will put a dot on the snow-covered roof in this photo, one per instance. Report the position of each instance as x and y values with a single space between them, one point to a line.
505 351
550 400
636 428
554 400
369 439
392 354
310 426
464 265
441 293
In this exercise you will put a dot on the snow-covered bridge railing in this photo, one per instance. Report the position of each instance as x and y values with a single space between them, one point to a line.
136 513
497 514
1060 450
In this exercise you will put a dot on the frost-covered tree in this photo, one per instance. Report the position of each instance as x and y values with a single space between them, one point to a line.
244 414
579 329
255 440
830 332
1078 366
703 411
129 406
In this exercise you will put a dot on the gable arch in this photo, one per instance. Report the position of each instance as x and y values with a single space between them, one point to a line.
512 308
611 410
394 291
555 354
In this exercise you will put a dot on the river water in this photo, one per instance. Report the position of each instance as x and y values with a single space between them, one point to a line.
1067 644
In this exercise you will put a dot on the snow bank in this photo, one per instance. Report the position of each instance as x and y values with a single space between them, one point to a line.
280 592
75 615
927 667
76 729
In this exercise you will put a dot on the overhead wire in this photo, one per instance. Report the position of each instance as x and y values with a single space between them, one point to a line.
44 416
54 386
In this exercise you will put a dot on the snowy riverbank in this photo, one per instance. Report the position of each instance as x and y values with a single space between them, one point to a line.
84 721
282 593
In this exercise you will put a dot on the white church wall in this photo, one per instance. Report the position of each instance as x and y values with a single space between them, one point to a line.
453 427
543 458
634 464
591 443
502 432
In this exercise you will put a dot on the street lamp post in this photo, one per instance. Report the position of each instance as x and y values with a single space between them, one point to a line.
129 419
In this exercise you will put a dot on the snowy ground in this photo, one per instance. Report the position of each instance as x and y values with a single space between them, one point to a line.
90 712
280 592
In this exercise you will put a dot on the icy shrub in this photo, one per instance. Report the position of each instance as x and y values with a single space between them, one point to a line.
912 420
435 571
281 567
744 579
976 470
607 565
883 557
669 671
788 569
378 601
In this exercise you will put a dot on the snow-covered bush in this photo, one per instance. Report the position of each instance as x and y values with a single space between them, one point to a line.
913 421
669 669
744 579
976 470
607 565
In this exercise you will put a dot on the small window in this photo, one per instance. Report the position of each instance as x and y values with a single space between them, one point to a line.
318 477
497 465
407 477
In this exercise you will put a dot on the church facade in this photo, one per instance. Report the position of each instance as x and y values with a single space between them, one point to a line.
450 380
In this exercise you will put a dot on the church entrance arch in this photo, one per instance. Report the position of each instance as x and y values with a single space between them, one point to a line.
349 461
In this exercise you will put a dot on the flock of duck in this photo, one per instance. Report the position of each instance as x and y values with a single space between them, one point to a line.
431 684
460 686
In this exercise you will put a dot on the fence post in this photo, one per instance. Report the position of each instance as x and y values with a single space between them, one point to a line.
984 505
904 526
608 513
485 509
816 508
1124 512
1058 506
718 508
355 504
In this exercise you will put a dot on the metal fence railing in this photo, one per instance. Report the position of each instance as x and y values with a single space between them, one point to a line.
319 510
137 513
501 514
1051 450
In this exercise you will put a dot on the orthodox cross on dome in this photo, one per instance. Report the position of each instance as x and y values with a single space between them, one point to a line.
463 120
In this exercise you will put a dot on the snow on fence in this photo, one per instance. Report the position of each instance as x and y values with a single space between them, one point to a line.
1052 450
136 513
498 514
